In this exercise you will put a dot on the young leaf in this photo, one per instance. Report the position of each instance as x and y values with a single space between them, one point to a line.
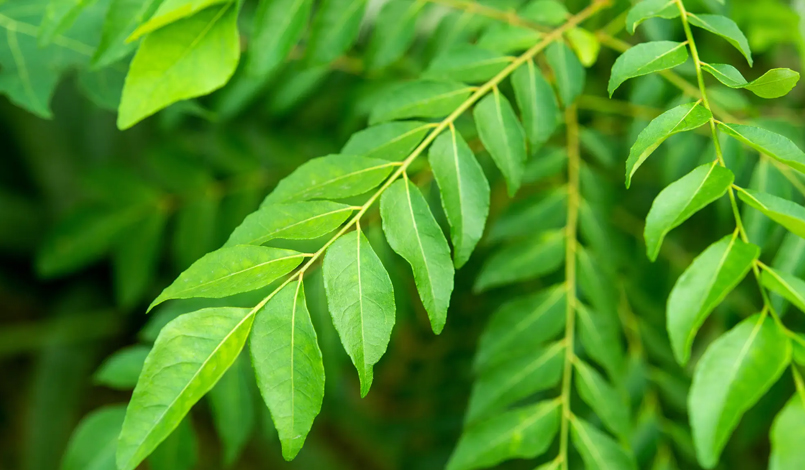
335 28
467 63
599 451
734 372
420 99
232 407
772 84
647 9
121 370
278 25
785 284
711 276
503 137
786 213
531 258
395 30
567 69
524 432
646 58
412 232
464 191
391 141
191 353
172 11
165 68
93 443
288 365
769 143
294 221
683 198
230 271
121 20
603 398
682 118
537 103
360 297
724 27
585 44
330 177
788 434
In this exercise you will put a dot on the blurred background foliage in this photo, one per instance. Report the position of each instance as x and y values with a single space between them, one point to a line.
94 222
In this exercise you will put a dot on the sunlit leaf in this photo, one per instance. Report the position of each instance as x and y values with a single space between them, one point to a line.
294 221
769 143
647 9
773 84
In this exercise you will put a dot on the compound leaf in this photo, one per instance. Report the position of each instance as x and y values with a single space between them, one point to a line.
646 58
294 221
772 84
503 137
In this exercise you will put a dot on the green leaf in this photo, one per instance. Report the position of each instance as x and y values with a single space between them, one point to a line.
537 103
178 452
230 271
420 99
189 356
173 11
121 370
467 63
412 232
567 70
585 44
59 17
288 364
294 221
786 213
330 177
232 407
726 74
94 441
788 434
135 258
167 66
394 32
650 9
785 284
546 212
503 137
603 398
505 38
600 335
360 297
711 276
392 141
529 259
773 84
536 368
524 432
547 12
278 26
682 118
335 28
646 58
735 371
681 199
769 143
464 192
599 451
121 20
724 27
516 326
798 340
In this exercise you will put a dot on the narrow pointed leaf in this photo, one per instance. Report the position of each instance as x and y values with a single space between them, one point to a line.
773 84
531 258
769 143
392 141
361 301
278 26
468 64
647 9
412 232
230 271
786 213
93 443
395 30
724 27
537 103
420 99
191 353
681 199
295 221
503 137
785 284
598 450
711 276
335 28
464 190
604 399
232 407
734 373
570 74
646 58
788 434
288 365
682 118
121 370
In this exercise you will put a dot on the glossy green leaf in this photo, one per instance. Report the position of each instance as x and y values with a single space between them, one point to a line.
335 28
294 221
603 398
681 199
724 27
420 99
230 271
503 136
537 103
464 192
392 141
172 11
735 371
122 19
189 356
598 450
232 405
330 177
682 118
568 71
646 58
703 285
412 232
786 213
785 284
394 31
773 84
94 441
769 143
360 297
121 369
468 64
788 434
288 364
647 9
585 44
165 68
278 26
528 259
524 432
